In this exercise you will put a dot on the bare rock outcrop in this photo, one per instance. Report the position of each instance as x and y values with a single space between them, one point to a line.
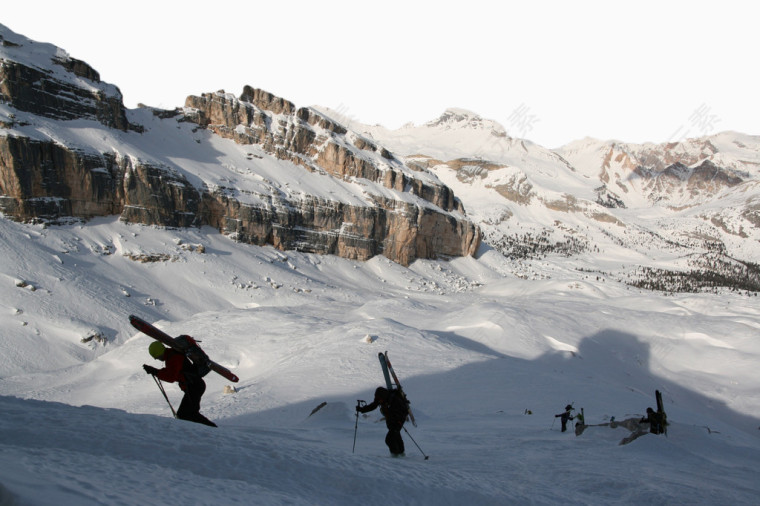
65 88
44 180
306 137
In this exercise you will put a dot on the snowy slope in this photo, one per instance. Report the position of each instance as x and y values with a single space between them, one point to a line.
83 424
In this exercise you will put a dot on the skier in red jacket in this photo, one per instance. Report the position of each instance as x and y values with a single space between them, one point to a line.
178 368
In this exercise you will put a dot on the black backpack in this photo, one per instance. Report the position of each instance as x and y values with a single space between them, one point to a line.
398 398
195 354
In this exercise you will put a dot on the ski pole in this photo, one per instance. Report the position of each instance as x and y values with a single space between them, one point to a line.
359 403
161 387
415 444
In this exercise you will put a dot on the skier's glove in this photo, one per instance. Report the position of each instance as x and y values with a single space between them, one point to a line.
150 369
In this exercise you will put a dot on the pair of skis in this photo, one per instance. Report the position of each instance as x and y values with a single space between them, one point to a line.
178 344
661 412
388 372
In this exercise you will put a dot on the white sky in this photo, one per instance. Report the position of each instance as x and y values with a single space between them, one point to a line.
552 71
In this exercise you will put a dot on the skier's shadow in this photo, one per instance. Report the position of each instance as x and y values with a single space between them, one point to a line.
628 361
613 374
466 343
610 358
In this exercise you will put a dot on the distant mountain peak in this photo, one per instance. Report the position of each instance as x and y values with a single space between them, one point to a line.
456 118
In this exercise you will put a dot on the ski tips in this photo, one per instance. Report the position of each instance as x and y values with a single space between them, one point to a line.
136 321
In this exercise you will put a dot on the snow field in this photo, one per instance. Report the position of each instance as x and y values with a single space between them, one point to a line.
475 348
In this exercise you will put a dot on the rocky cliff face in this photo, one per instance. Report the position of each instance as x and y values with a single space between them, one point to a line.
308 138
400 230
47 171
45 181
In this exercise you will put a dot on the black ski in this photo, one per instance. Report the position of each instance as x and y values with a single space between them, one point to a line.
661 412
182 345
388 369
386 374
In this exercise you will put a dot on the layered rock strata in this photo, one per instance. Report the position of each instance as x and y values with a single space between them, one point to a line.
44 178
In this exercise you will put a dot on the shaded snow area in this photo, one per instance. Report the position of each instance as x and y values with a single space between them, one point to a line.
487 361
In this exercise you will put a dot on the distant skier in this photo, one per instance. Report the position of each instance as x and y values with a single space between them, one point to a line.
179 368
394 408
564 417
654 420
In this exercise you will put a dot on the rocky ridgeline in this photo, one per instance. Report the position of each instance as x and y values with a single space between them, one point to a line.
68 89
308 138
44 179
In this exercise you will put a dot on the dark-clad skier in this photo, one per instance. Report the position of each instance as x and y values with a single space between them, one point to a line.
564 417
178 368
394 408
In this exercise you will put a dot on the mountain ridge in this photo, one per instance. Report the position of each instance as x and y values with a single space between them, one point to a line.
698 197
68 158
310 179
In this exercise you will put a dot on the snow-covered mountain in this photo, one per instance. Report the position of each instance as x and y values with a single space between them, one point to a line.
679 174
254 167
696 201
263 171
490 347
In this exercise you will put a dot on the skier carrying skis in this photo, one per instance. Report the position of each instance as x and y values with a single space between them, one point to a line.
394 408
564 417
179 368
654 420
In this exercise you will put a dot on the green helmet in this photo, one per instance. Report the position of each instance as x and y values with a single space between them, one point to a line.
156 349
